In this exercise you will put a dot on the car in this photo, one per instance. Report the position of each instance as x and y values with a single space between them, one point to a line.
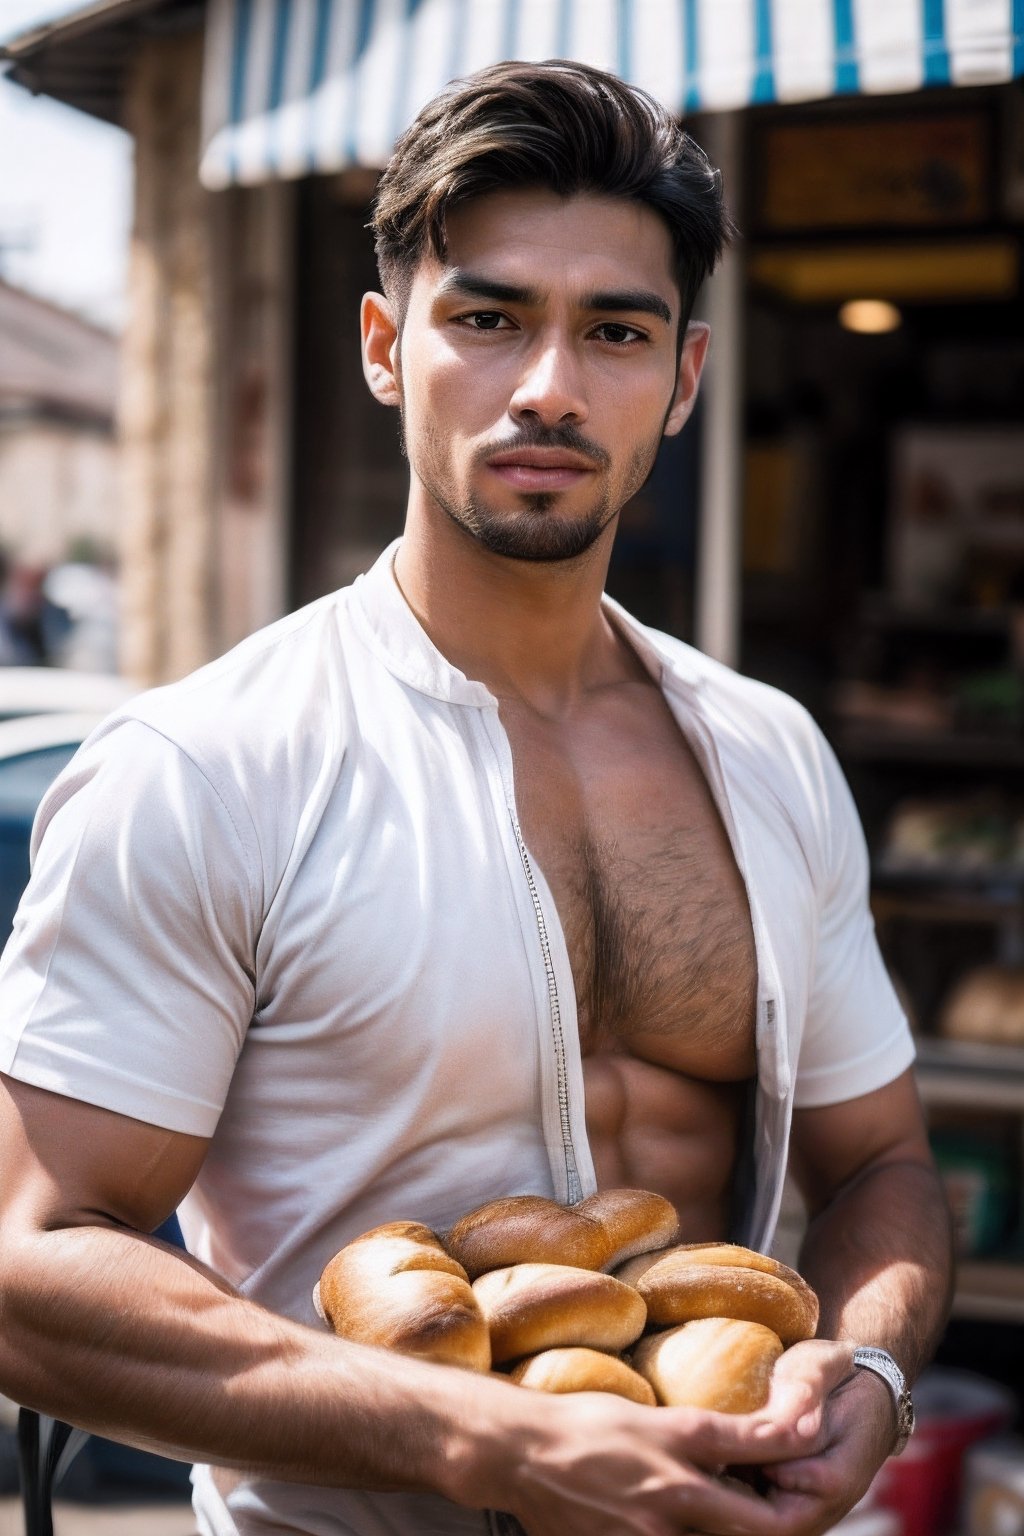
33 750
60 690
45 715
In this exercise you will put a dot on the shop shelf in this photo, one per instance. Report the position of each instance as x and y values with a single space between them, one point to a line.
969 1075
990 1290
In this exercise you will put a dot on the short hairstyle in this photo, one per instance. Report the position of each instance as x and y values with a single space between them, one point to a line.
559 125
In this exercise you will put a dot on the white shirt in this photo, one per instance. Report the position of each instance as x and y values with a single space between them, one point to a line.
285 904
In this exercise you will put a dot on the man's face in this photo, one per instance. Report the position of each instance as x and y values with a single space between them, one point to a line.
537 368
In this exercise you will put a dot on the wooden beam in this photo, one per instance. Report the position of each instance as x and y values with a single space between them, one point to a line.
166 412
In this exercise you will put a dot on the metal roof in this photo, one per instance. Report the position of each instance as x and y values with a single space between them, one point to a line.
80 58
294 87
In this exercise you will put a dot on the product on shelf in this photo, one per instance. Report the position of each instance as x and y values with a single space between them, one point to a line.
979 1186
913 708
974 834
986 1005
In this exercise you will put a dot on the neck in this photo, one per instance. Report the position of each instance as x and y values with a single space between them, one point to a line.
529 630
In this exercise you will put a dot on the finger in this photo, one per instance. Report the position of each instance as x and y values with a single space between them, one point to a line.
727 1509
805 1476
713 1441
797 1511
803 1379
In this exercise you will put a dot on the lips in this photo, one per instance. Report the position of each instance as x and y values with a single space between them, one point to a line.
540 469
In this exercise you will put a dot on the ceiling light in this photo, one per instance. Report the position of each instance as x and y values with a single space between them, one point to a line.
870 317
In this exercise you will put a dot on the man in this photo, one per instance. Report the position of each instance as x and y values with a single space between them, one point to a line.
460 884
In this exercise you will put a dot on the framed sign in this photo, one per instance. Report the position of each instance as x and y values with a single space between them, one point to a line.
957 524
918 171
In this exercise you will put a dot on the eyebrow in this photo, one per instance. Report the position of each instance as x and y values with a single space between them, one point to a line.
613 301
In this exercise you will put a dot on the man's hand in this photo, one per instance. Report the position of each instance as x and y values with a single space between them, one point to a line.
595 1465
848 1420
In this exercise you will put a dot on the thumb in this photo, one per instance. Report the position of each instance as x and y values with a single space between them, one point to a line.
804 1376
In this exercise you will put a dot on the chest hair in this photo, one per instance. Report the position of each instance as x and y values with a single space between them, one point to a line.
661 944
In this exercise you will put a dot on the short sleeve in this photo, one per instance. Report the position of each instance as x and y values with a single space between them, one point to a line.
856 1037
128 981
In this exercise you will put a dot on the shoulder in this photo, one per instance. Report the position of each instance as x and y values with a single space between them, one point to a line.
259 732
769 729
268 677
262 708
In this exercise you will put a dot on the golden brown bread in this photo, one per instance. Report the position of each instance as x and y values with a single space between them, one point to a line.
726 1311
633 1221
582 1370
714 1362
395 1286
530 1307
723 1280
596 1233
523 1229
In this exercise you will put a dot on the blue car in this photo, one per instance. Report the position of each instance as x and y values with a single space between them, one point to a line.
33 750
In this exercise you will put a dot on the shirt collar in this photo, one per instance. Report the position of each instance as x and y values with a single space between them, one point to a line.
394 633
666 659
397 637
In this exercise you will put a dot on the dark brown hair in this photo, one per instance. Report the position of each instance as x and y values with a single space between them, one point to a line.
558 125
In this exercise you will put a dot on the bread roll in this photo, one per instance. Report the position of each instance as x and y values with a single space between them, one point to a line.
582 1370
596 1233
719 1363
723 1280
524 1229
530 1307
633 1221
987 1005
396 1287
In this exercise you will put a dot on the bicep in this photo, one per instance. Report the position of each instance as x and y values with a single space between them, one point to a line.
834 1144
65 1163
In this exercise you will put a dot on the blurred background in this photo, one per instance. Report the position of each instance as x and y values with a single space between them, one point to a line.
187 451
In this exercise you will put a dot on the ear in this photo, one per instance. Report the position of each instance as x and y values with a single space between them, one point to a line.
691 365
380 348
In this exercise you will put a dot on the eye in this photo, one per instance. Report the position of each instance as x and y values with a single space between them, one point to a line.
619 334
484 320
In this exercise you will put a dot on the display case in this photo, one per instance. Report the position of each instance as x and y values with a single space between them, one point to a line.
929 725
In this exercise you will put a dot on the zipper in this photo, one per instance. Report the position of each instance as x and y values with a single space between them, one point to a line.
574 1188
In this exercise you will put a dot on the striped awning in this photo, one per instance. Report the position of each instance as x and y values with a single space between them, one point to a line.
295 87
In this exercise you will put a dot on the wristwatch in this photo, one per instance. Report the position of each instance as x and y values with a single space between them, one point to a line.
882 1363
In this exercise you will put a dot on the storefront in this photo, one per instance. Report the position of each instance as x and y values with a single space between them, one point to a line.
883 577
845 515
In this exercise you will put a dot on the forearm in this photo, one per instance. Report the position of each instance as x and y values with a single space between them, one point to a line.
129 1339
879 1255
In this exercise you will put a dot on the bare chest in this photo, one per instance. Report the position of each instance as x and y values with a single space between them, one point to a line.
622 822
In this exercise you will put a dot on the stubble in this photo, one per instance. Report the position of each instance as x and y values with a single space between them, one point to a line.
533 531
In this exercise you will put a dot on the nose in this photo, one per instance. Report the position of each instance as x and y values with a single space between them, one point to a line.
550 388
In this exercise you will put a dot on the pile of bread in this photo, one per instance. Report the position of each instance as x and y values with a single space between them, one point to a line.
596 1296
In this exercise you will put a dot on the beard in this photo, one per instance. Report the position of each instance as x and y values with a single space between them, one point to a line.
533 531
529 533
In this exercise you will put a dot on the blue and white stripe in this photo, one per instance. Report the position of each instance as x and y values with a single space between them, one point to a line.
300 86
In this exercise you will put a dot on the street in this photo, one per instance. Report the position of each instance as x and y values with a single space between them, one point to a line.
104 1519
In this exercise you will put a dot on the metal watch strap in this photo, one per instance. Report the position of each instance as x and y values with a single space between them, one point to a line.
869 1358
